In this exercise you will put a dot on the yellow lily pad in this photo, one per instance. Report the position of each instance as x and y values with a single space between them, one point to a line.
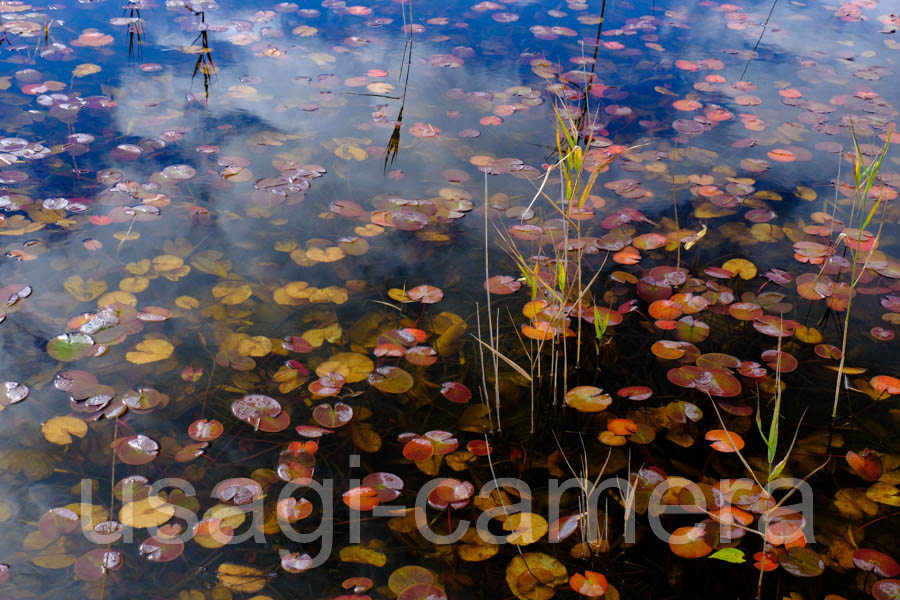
151 511
242 578
149 351
351 365
60 429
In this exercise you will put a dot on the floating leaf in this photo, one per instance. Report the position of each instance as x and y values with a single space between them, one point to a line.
391 380
885 384
527 528
866 464
724 441
426 294
151 511
150 350
802 562
59 430
295 562
12 392
136 449
886 589
352 366
67 347
239 490
93 565
252 408
334 416
502 284
714 381
361 498
590 584
205 431
741 266
689 542
868 559
161 549
241 578
456 392
535 576
587 398
408 576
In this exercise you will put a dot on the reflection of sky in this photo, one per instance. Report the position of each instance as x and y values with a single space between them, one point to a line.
799 47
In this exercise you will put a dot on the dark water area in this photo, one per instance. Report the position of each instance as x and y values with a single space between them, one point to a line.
272 268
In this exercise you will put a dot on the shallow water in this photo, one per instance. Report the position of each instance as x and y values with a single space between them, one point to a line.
185 185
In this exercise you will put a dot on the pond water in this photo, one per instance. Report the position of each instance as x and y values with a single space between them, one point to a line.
284 261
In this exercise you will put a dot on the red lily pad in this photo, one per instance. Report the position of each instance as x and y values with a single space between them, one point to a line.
386 485
745 311
879 562
293 509
442 441
136 449
867 465
502 284
479 448
422 591
327 385
279 422
239 490
690 542
563 528
418 449
635 392
421 356
161 549
456 392
717 360
205 431
780 361
590 584
58 521
294 562
426 294
295 343
774 326
94 564
252 407
361 498
886 589
312 431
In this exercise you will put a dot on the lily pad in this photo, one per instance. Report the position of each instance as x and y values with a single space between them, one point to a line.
588 398
535 576
70 346
391 380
